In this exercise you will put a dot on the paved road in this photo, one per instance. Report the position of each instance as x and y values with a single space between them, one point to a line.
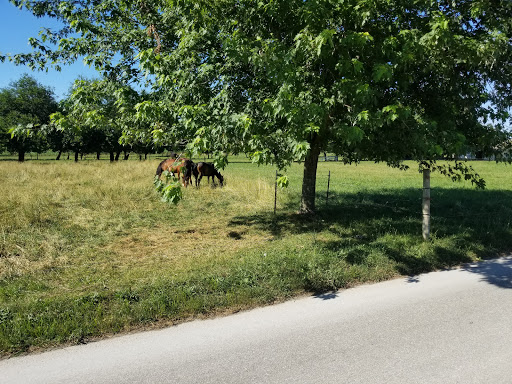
445 327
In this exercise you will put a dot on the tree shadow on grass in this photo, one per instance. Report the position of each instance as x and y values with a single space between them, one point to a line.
465 224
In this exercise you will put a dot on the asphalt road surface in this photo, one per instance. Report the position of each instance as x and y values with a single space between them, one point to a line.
445 327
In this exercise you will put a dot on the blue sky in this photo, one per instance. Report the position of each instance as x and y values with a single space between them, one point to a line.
16 26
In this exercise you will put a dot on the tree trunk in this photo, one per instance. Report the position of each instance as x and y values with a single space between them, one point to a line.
98 154
58 156
76 156
126 155
117 155
21 156
112 157
307 203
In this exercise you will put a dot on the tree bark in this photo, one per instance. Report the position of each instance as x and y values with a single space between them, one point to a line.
21 156
58 156
76 157
307 203
117 155
112 157
98 154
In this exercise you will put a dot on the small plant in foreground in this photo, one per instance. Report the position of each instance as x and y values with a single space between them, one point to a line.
169 188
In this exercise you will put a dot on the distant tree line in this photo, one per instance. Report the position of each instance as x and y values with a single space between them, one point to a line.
88 121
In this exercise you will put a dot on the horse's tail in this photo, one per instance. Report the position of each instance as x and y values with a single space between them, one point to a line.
159 170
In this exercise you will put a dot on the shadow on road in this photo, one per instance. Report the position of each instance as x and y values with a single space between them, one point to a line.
497 272
326 296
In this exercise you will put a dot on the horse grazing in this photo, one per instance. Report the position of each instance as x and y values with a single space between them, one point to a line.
177 167
206 169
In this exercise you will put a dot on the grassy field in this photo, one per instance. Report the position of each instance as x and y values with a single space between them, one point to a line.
88 249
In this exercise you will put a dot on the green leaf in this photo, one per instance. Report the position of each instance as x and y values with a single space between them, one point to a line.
382 72
283 181
300 150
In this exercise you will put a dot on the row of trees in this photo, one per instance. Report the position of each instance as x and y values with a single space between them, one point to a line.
286 80
87 121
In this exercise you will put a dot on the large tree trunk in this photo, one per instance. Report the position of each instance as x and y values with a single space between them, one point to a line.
21 156
112 157
58 156
76 156
307 203
98 154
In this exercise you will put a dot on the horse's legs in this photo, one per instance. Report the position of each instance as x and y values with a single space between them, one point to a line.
179 174
183 179
199 180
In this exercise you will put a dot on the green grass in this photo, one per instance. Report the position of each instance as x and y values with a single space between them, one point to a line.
88 249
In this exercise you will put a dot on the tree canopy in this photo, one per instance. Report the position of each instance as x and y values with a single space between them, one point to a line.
25 106
284 80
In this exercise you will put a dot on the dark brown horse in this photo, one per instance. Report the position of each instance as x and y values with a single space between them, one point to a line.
177 167
206 169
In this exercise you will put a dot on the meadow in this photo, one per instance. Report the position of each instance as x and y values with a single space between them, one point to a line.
88 249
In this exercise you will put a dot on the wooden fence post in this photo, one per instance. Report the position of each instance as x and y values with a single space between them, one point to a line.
426 204
328 184
275 196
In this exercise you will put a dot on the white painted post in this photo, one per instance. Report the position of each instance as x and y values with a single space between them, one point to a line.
426 204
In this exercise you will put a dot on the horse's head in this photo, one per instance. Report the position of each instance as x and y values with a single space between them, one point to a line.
188 166
221 179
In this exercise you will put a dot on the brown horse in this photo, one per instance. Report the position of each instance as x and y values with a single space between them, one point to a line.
177 167
206 169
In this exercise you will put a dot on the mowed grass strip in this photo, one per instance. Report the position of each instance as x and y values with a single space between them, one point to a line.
88 249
